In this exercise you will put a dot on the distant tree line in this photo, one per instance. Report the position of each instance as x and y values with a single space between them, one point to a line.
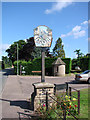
28 51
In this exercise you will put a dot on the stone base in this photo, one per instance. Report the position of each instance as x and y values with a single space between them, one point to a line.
39 95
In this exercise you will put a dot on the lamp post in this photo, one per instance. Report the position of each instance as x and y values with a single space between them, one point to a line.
17 58
43 39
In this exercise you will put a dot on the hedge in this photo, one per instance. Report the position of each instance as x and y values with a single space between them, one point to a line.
68 64
27 67
85 64
35 65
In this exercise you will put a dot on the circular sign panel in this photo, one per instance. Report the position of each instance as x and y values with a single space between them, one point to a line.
42 36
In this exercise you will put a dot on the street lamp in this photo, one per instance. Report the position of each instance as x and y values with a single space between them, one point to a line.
43 39
17 58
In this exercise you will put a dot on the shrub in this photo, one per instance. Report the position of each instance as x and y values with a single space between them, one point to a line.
85 64
35 65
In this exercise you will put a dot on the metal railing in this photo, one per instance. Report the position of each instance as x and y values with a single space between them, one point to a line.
78 96
68 92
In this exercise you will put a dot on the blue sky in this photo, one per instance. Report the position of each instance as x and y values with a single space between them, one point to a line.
68 20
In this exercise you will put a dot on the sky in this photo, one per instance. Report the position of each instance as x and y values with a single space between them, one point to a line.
68 20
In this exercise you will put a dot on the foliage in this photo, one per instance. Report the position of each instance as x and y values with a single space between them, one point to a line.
78 53
83 63
58 49
36 53
12 51
84 106
35 65
68 64
56 110
24 64
26 50
6 61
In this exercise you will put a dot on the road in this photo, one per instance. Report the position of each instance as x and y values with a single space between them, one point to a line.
4 75
18 89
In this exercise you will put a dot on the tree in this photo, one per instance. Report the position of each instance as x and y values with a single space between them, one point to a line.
58 49
78 53
12 51
6 61
26 50
30 50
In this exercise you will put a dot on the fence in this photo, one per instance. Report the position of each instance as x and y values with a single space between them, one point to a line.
78 96
68 92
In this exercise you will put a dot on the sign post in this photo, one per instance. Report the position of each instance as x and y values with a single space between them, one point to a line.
43 67
43 39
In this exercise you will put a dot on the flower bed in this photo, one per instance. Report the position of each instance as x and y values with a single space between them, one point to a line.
56 111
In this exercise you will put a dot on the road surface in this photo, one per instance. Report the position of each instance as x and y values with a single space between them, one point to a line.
18 89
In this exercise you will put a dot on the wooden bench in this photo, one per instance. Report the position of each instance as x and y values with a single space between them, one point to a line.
36 71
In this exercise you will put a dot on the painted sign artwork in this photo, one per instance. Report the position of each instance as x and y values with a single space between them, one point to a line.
42 36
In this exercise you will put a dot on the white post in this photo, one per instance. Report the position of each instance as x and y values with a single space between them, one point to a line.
17 58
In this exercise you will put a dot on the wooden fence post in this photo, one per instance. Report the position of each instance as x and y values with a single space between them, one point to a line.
79 102
70 92
64 113
46 101
66 88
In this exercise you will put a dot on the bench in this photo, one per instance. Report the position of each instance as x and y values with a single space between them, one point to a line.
36 71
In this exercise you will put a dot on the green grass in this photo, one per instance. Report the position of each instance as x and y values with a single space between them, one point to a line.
83 103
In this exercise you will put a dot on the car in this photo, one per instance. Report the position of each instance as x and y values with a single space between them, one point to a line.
84 76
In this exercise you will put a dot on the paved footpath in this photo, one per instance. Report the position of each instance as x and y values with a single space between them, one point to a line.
18 90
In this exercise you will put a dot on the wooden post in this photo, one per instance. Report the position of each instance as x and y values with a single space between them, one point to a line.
43 66
79 102
70 92
20 69
64 113
66 88
46 101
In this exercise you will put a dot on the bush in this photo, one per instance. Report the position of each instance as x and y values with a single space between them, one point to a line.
68 64
35 65
85 63
24 64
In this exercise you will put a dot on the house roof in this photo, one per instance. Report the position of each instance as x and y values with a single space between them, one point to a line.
58 62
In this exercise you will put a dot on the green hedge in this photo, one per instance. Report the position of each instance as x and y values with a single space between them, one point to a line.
68 64
27 67
85 64
35 65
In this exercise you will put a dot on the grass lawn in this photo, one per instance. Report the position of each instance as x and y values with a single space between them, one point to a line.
84 103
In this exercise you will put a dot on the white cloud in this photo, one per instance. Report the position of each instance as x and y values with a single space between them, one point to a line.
79 34
63 35
76 28
76 32
84 23
58 6
4 47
